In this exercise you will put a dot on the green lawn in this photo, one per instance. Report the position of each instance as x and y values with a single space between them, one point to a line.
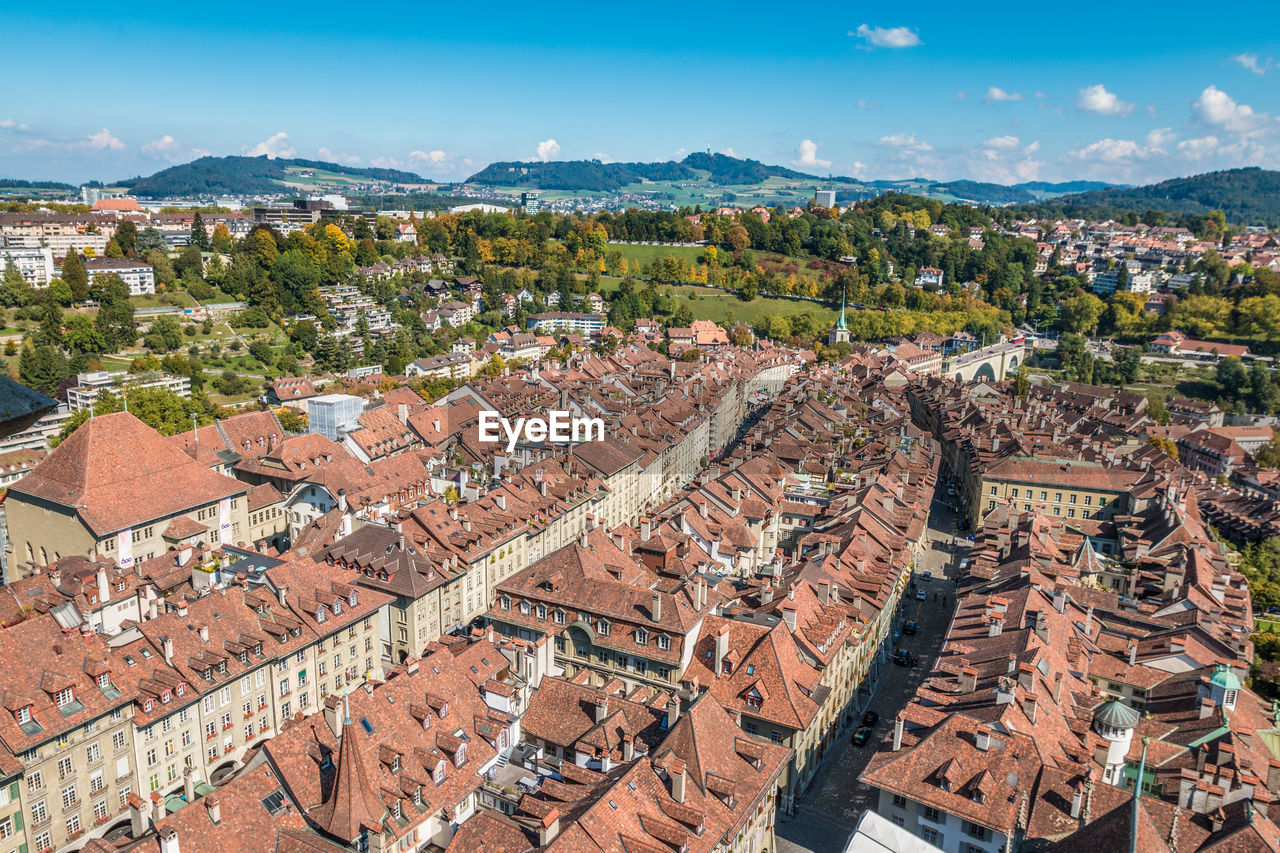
712 304
172 299
648 254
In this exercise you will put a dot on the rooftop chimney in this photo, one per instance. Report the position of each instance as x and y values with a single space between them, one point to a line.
722 646
602 708
898 724
104 587
982 738
646 530
282 595
204 633
968 679
168 840
166 645
655 608
677 773
1077 800
342 500
215 808
1133 654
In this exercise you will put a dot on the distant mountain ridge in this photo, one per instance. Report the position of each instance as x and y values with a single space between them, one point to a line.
1250 196
723 170
246 176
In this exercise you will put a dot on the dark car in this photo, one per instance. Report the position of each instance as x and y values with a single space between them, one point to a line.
928 576
870 718
902 658
910 628
861 736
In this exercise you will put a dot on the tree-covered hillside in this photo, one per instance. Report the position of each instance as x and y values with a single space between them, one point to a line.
1247 196
245 176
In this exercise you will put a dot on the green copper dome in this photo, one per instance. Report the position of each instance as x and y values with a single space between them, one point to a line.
1223 677
1117 715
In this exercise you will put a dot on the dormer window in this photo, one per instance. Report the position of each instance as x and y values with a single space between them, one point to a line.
460 758
165 697
437 775
351 599
444 710
180 689
726 666
426 722
64 697
542 611
120 587
664 642
417 796
222 667
297 632
319 614
395 809
395 764
257 650
147 705
337 607
524 608
22 715
208 672
505 602
603 626
559 617
244 657
104 680
978 796
642 637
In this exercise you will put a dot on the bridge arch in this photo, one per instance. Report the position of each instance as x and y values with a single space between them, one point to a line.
984 371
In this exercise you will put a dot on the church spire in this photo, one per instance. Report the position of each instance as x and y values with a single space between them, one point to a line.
352 806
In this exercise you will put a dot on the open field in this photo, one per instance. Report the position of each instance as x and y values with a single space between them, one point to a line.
648 254
723 308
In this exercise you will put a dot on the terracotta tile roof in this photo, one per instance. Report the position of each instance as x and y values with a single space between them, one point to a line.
109 472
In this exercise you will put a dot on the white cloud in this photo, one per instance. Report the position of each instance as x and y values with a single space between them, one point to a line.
435 157
1041 95
602 157
164 145
680 152
1032 148
1216 108
385 163
332 157
547 149
868 105
1160 137
961 95
1096 99
995 93
1250 61
103 140
10 124
893 37
1198 149
904 142
1110 151
729 152
1002 143
275 145
807 155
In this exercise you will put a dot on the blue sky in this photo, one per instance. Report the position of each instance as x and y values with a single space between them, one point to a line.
1123 92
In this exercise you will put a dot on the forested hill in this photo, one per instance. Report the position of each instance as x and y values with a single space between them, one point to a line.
1247 196
595 176
251 176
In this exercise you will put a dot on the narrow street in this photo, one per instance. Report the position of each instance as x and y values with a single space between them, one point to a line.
829 809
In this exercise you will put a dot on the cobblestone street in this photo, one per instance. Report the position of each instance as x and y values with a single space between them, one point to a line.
829 809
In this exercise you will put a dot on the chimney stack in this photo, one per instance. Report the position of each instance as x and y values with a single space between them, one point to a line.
215 808
282 595
104 587
655 607
722 647
677 774
602 708
168 840
166 645
1077 800
898 725
1133 654
982 738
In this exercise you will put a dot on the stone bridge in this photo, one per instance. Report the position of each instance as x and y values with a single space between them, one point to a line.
994 362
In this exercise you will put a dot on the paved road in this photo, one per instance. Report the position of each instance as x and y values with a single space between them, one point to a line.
829 810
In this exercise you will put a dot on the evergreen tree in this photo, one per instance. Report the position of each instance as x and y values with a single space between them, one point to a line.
50 331
14 290
115 314
199 237
42 368
76 276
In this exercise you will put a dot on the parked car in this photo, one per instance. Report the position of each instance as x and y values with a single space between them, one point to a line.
902 658
928 575
922 596
870 718
862 735
910 628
